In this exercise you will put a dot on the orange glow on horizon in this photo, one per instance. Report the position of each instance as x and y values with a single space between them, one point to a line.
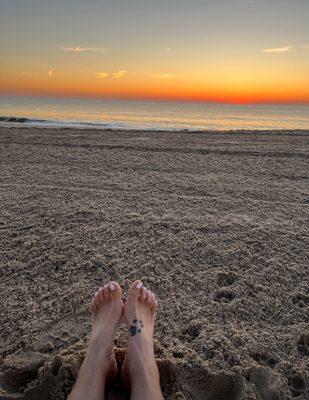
181 94
236 86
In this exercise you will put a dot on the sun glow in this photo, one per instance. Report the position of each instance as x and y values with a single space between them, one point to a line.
232 84
161 56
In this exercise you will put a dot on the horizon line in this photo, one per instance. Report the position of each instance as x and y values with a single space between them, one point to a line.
152 99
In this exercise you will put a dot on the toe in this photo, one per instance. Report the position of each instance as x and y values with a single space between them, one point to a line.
153 299
100 296
143 294
115 290
106 293
149 297
154 305
95 301
135 289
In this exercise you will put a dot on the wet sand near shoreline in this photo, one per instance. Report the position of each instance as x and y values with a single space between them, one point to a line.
215 223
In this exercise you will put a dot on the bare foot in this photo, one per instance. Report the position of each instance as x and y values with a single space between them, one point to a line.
106 310
140 365
100 364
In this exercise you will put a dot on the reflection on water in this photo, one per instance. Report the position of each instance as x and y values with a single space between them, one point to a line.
150 115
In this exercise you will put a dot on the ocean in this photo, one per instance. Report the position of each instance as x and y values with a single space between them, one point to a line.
121 114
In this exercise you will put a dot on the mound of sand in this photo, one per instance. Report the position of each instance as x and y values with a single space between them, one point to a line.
216 224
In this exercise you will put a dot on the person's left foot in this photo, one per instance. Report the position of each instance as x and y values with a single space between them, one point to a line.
140 315
106 310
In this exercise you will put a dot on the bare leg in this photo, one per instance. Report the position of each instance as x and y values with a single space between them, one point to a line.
100 360
140 365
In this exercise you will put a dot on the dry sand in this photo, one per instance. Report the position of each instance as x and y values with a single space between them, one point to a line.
215 223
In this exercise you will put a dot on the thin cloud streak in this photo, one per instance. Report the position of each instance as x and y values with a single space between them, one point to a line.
119 74
79 49
101 75
278 50
166 76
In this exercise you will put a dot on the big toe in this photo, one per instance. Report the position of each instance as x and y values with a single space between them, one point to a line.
135 290
115 291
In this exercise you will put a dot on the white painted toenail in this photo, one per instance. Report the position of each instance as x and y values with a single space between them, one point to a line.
112 286
139 285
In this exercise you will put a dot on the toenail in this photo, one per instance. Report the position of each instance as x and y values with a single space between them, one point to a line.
139 285
112 286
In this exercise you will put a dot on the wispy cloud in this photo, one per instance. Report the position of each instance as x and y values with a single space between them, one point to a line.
166 76
119 74
27 73
51 73
101 75
284 49
79 49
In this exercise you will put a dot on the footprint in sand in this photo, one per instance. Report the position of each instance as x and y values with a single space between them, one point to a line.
301 300
64 332
303 344
226 278
224 296
297 385
192 331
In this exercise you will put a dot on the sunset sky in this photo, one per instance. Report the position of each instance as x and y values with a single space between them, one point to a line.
242 51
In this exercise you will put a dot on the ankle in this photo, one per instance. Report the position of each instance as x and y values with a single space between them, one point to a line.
104 336
144 374
140 355
144 368
141 344
99 348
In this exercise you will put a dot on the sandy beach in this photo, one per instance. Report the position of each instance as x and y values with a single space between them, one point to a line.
215 223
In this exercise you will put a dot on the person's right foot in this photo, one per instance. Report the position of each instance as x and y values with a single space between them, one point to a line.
106 307
99 364
140 366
